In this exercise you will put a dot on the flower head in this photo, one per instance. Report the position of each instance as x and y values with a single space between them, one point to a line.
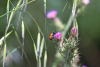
51 14
84 66
73 31
58 36
86 2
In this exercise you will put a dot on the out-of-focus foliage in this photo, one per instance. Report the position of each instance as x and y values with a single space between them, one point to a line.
89 33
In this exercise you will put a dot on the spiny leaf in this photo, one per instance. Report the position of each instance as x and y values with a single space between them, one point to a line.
4 55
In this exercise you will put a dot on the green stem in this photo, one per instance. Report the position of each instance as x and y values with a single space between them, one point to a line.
70 19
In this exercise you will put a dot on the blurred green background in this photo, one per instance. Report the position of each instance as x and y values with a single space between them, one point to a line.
89 32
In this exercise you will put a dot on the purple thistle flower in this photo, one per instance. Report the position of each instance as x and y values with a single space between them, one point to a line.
58 36
86 2
73 31
51 14
84 66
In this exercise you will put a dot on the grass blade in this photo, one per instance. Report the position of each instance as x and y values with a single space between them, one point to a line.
7 10
12 51
45 6
45 54
35 50
15 32
2 39
26 1
17 37
35 22
45 58
4 55
11 16
41 48
23 31
38 44
21 44
16 9
39 62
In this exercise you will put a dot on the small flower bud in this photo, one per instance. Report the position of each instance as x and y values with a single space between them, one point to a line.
58 36
73 31
51 14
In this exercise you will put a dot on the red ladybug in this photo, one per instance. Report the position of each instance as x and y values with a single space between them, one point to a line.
51 37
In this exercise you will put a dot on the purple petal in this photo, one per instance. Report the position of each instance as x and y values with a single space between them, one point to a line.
51 14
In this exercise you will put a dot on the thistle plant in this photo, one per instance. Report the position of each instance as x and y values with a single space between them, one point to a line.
68 47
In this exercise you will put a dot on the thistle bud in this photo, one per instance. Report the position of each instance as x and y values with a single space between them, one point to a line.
73 31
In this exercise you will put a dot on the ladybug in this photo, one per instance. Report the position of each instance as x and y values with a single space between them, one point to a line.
51 37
